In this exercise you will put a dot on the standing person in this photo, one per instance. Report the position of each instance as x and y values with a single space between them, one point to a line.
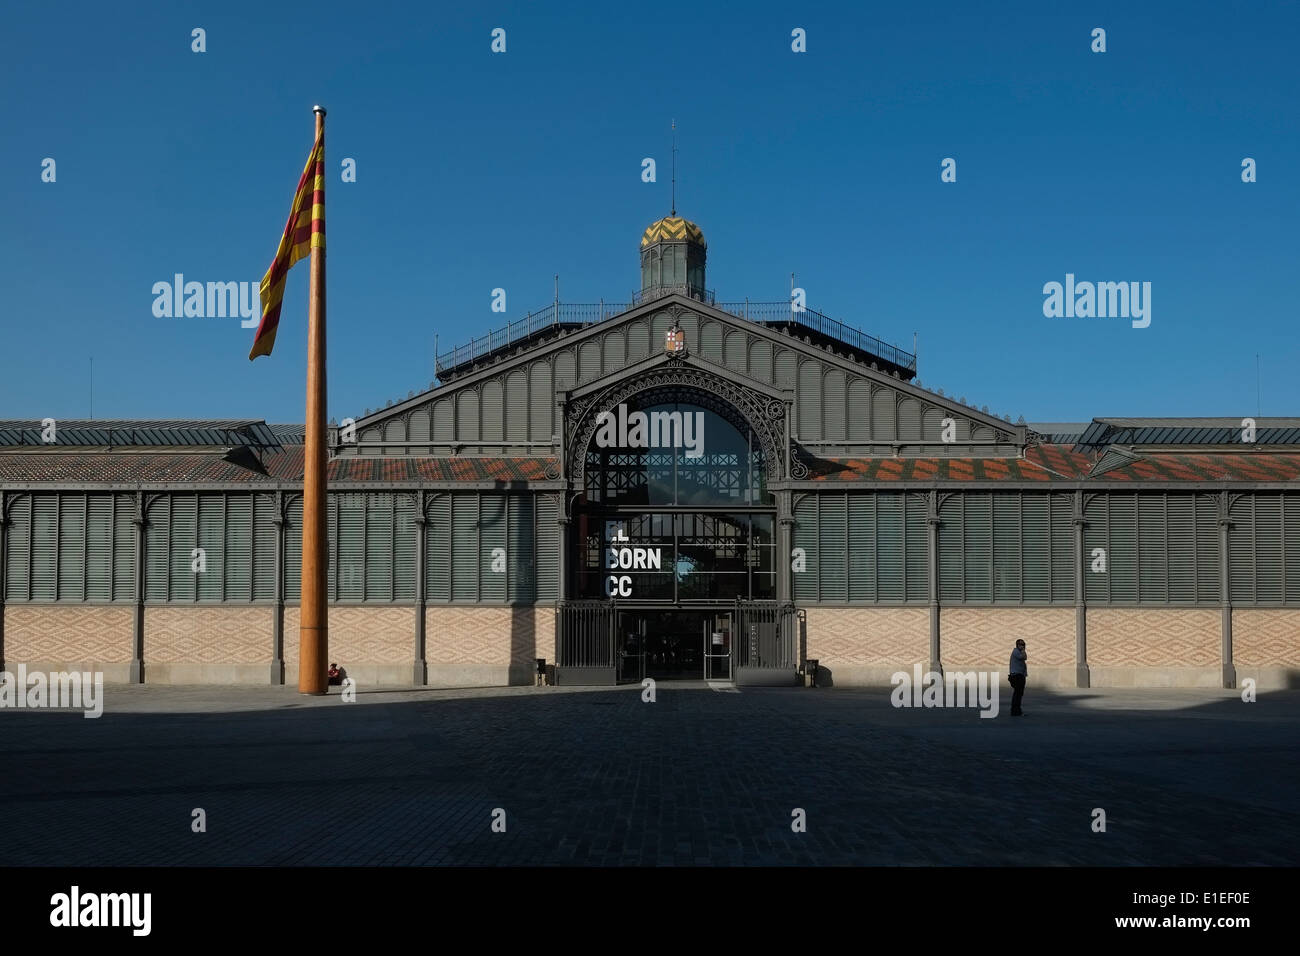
1017 673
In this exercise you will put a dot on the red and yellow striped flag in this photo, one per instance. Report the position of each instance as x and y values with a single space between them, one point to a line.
304 231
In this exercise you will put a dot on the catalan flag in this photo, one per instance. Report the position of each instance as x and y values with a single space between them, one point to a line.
304 231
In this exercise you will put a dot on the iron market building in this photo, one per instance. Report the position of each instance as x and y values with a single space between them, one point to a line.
673 487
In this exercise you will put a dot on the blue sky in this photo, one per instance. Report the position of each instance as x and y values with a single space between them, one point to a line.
478 170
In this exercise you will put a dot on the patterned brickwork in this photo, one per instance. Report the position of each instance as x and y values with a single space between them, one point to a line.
865 636
544 618
291 622
1266 637
67 633
983 637
369 635
1143 637
489 635
869 635
453 635
207 635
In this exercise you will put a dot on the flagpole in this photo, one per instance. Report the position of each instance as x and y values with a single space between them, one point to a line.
313 633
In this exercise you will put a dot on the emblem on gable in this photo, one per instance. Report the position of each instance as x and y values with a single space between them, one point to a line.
675 341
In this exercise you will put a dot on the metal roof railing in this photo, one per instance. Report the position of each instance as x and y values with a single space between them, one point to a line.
706 296
557 315
779 312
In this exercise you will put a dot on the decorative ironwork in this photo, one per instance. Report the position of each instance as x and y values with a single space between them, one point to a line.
752 408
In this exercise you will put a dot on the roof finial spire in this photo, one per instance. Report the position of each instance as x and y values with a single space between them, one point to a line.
674 212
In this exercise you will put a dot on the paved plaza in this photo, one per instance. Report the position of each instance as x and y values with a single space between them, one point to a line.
700 776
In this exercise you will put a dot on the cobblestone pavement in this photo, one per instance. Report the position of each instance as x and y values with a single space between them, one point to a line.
596 776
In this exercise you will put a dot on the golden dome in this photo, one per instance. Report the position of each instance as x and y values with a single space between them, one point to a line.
672 227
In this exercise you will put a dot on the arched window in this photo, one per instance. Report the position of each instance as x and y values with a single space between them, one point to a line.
674 447
675 504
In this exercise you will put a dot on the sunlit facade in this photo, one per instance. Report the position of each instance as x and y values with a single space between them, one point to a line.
676 487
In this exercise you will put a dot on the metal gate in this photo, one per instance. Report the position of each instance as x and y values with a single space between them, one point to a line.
768 642
597 643
585 643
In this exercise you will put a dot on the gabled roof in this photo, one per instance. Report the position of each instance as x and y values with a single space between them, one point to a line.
1059 433
1041 463
562 320
1240 466
289 434
284 465
1060 459
439 469
1188 431
803 337
131 467
1057 463
929 469
152 433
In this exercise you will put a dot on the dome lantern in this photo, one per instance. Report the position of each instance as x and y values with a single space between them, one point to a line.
673 252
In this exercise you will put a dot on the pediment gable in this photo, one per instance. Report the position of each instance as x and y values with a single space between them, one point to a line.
842 403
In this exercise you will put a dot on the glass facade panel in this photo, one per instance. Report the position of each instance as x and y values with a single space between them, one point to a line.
684 556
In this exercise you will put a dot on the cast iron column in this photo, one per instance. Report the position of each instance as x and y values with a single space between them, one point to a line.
933 521
784 543
277 624
562 563
1082 676
1225 524
418 673
137 623
4 520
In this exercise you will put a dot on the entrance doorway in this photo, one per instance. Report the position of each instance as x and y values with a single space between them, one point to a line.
674 644
749 642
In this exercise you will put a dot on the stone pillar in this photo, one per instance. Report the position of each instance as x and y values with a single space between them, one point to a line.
137 620
1225 565
1082 676
936 664
419 671
277 620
